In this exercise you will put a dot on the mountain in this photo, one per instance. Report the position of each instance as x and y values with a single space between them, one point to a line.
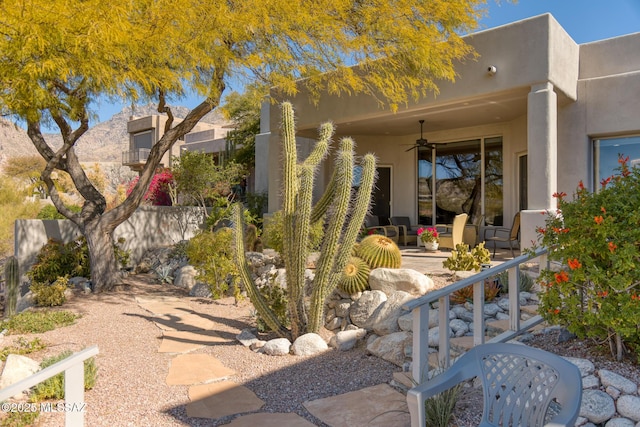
103 142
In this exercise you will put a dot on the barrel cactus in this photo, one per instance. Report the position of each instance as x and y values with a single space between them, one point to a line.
355 276
379 252
12 280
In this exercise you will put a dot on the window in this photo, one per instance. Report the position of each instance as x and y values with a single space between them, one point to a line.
467 176
606 152
143 140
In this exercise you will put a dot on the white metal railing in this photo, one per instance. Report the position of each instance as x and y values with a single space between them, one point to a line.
73 368
420 310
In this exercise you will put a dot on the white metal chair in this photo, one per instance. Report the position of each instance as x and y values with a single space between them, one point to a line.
522 386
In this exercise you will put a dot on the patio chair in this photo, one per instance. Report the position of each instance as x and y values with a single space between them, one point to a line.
509 235
522 386
372 223
452 234
408 232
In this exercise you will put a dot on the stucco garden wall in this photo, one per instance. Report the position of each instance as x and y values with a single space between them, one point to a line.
149 227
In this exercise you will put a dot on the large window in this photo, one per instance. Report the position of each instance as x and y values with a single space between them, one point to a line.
606 153
467 176
143 140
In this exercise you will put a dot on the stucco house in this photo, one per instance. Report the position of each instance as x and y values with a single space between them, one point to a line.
534 114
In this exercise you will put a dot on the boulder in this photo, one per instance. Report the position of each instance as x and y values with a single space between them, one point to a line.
246 337
308 344
17 368
629 407
390 280
362 310
385 320
185 277
346 340
391 347
597 406
200 290
277 347
612 379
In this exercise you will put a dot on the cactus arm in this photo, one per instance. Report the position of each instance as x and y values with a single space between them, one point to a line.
256 298
326 276
12 282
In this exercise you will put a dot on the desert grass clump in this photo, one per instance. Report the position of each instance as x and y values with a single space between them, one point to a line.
53 388
38 321
439 408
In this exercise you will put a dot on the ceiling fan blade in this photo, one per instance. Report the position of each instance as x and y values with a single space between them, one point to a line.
412 148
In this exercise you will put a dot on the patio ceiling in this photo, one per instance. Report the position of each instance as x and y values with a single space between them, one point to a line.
487 109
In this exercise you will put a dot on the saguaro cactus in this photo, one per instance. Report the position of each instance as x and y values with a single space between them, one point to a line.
342 212
11 280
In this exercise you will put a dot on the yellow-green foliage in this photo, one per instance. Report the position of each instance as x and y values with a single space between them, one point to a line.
273 233
38 321
355 276
13 205
211 253
50 295
379 252
463 260
22 347
53 388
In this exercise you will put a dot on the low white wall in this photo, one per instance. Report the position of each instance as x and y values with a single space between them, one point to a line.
149 227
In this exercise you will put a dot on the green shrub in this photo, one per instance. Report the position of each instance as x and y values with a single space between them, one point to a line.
211 253
439 408
57 259
597 293
53 388
19 419
463 260
50 212
22 346
50 295
38 321
276 298
273 233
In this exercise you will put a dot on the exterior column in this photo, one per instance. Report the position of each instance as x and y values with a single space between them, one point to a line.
542 150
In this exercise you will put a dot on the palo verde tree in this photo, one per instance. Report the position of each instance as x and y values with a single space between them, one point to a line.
60 58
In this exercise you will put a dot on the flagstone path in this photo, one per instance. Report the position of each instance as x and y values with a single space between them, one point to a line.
213 394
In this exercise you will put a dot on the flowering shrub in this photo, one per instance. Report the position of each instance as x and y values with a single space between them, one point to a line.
596 237
428 234
158 193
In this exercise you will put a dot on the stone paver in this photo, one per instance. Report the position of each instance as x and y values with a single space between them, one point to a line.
189 369
220 399
186 341
164 305
183 322
270 420
377 406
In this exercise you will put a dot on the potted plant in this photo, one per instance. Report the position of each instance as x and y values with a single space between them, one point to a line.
429 237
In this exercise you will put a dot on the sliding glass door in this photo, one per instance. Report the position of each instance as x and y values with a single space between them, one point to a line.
467 177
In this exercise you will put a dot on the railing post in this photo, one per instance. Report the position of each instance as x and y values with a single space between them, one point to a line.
478 313
74 395
420 352
444 347
514 298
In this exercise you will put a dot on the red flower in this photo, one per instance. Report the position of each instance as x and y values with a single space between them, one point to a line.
623 160
581 185
574 264
612 247
562 277
604 211
603 294
598 219
604 182
559 195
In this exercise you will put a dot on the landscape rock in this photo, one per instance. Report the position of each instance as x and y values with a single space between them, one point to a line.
585 366
346 340
246 337
390 280
385 320
200 290
17 368
24 302
405 322
597 406
612 379
629 407
620 422
308 344
391 347
185 277
277 347
363 309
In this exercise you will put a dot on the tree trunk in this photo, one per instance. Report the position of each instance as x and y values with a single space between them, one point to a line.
105 272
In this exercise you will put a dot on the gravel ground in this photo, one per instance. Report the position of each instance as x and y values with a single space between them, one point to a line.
131 388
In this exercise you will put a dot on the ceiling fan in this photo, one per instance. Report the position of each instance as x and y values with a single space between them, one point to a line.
421 142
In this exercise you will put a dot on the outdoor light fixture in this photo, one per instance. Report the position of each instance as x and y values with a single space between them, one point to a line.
492 70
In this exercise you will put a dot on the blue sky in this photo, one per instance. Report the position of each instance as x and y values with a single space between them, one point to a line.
584 20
